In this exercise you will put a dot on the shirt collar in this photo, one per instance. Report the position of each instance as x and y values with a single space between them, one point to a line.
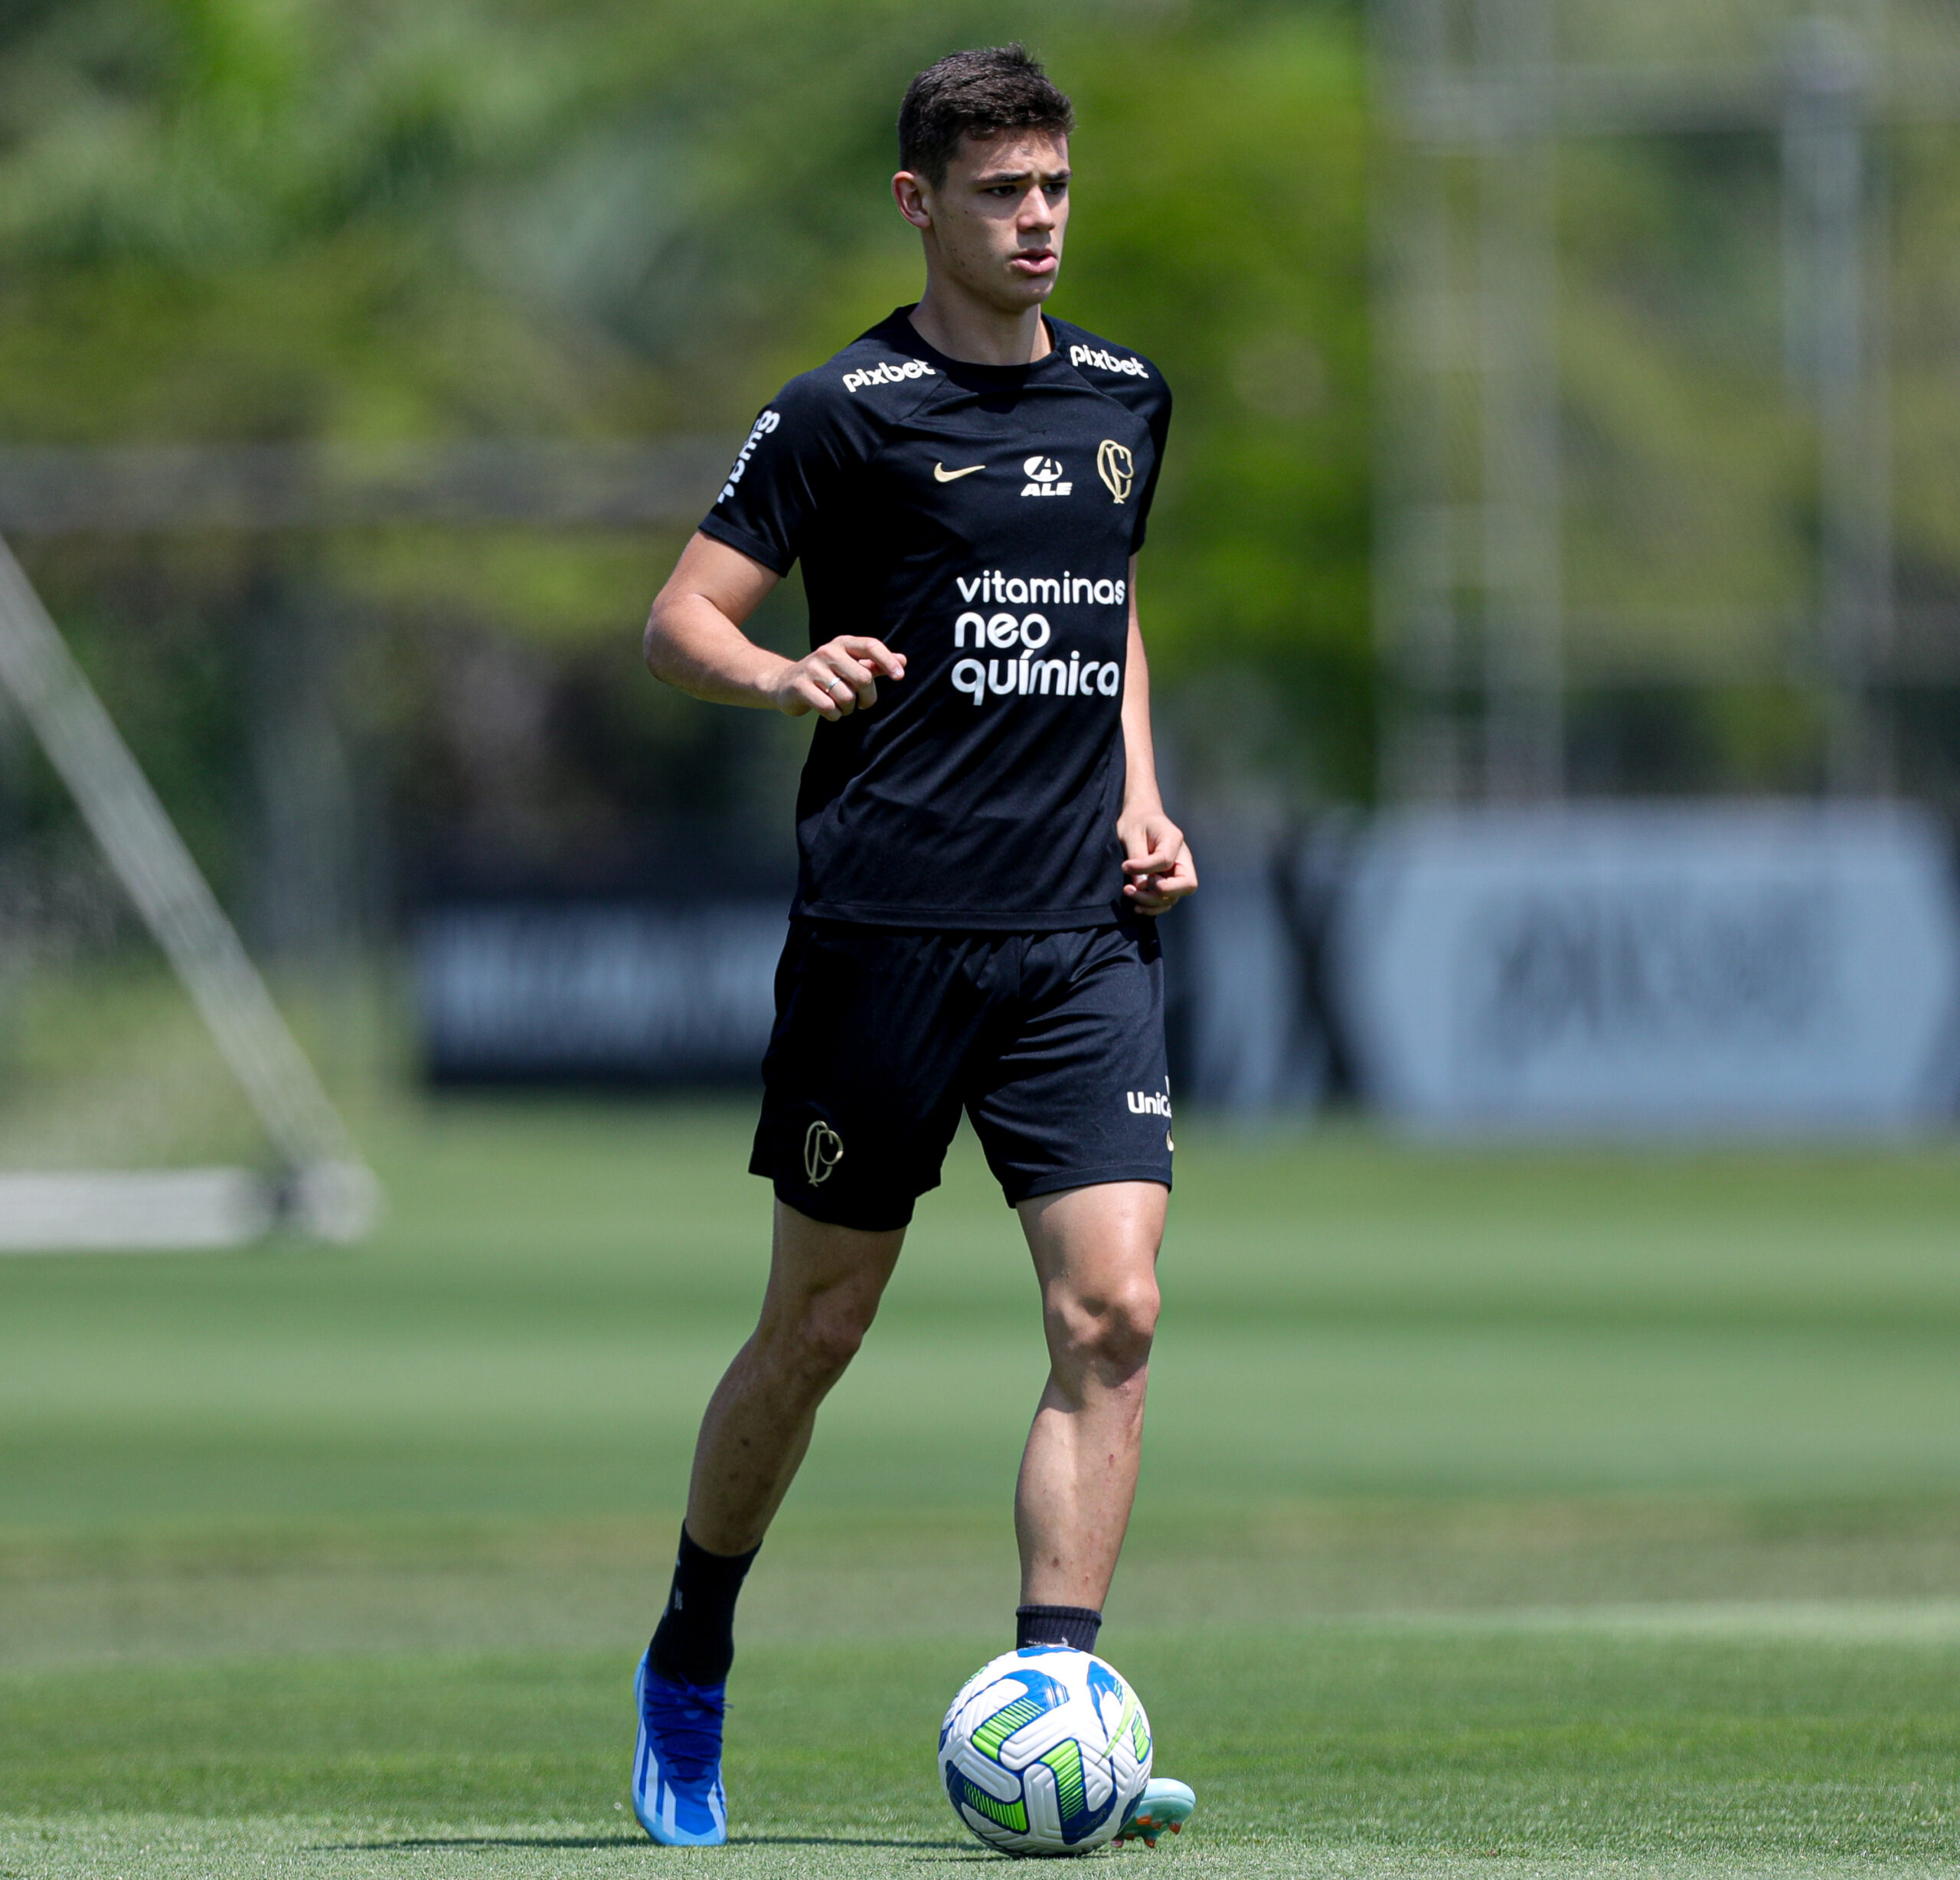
903 335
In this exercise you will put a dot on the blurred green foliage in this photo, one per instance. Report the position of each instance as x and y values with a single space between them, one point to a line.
370 222
283 220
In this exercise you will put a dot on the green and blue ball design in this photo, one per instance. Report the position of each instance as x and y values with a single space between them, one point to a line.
1044 1751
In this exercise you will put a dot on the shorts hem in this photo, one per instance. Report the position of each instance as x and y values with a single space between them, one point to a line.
1058 1181
864 1218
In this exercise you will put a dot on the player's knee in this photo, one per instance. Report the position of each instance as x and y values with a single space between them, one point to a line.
1111 1331
828 1335
1129 1325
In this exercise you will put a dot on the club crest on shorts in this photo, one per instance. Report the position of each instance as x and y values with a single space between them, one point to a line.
1116 467
823 1150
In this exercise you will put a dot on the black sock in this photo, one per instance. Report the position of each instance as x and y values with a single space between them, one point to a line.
1075 1626
694 1642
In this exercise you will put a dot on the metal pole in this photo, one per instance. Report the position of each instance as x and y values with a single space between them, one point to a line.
1418 533
1521 583
1836 346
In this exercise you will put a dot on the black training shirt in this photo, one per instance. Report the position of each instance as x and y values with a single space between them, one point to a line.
979 520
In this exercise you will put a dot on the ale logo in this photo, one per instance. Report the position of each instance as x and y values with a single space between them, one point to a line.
823 1150
1045 477
1116 467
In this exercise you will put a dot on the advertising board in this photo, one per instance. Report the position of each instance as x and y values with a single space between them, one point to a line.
604 992
1747 968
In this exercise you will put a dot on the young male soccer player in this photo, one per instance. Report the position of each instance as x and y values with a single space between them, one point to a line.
982 851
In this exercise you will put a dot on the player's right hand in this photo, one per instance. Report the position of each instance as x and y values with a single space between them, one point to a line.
841 676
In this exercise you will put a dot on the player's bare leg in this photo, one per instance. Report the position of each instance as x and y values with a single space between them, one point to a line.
825 1284
1094 1254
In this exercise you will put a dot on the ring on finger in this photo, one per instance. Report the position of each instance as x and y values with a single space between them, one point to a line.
835 684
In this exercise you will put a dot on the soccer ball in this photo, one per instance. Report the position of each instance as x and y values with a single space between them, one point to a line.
1044 1751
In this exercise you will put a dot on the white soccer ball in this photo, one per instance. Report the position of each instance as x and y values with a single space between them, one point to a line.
1044 1751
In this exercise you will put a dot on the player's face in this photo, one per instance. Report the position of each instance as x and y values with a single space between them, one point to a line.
996 222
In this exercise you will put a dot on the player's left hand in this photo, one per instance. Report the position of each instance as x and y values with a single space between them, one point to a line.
1157 860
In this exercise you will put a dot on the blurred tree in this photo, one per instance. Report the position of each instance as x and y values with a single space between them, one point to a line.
244 220
286 220
1223 204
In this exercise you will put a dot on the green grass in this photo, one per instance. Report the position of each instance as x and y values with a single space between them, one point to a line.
1517 1513
1412 1741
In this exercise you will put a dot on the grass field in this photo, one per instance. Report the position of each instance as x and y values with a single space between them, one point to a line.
1506 1514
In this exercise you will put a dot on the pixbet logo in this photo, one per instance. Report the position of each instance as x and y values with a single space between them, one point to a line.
764 425
885 373
1043 476
1095 355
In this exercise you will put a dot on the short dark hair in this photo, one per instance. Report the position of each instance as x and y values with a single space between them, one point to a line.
978 94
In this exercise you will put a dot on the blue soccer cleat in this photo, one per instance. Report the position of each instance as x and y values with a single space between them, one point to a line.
1163 1804
677 1760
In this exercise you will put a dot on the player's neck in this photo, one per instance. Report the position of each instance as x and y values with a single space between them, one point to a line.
964 327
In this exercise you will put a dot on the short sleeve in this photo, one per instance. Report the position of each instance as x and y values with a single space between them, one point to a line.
788 468
1158 416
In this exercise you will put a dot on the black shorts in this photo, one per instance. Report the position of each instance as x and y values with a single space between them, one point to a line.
1052 1043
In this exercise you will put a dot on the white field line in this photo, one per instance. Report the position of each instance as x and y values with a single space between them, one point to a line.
1832 1621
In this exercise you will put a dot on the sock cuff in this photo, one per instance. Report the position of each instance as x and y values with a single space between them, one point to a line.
688 1545
692 1558
694 1643
1075 1626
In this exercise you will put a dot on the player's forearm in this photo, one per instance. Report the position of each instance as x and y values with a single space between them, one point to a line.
1140 790
697 648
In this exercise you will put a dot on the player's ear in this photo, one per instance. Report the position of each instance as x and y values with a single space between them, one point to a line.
909 192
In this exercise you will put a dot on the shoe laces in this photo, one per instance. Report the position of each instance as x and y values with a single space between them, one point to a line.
686 1719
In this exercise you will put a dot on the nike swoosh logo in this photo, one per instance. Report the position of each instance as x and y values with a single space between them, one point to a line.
941 475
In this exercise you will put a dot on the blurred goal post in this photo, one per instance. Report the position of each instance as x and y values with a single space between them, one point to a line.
324 1187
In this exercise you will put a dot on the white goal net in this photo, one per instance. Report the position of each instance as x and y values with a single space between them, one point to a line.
152 1095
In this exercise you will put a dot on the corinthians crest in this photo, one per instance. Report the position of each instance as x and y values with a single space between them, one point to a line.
823 1150
1116 467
